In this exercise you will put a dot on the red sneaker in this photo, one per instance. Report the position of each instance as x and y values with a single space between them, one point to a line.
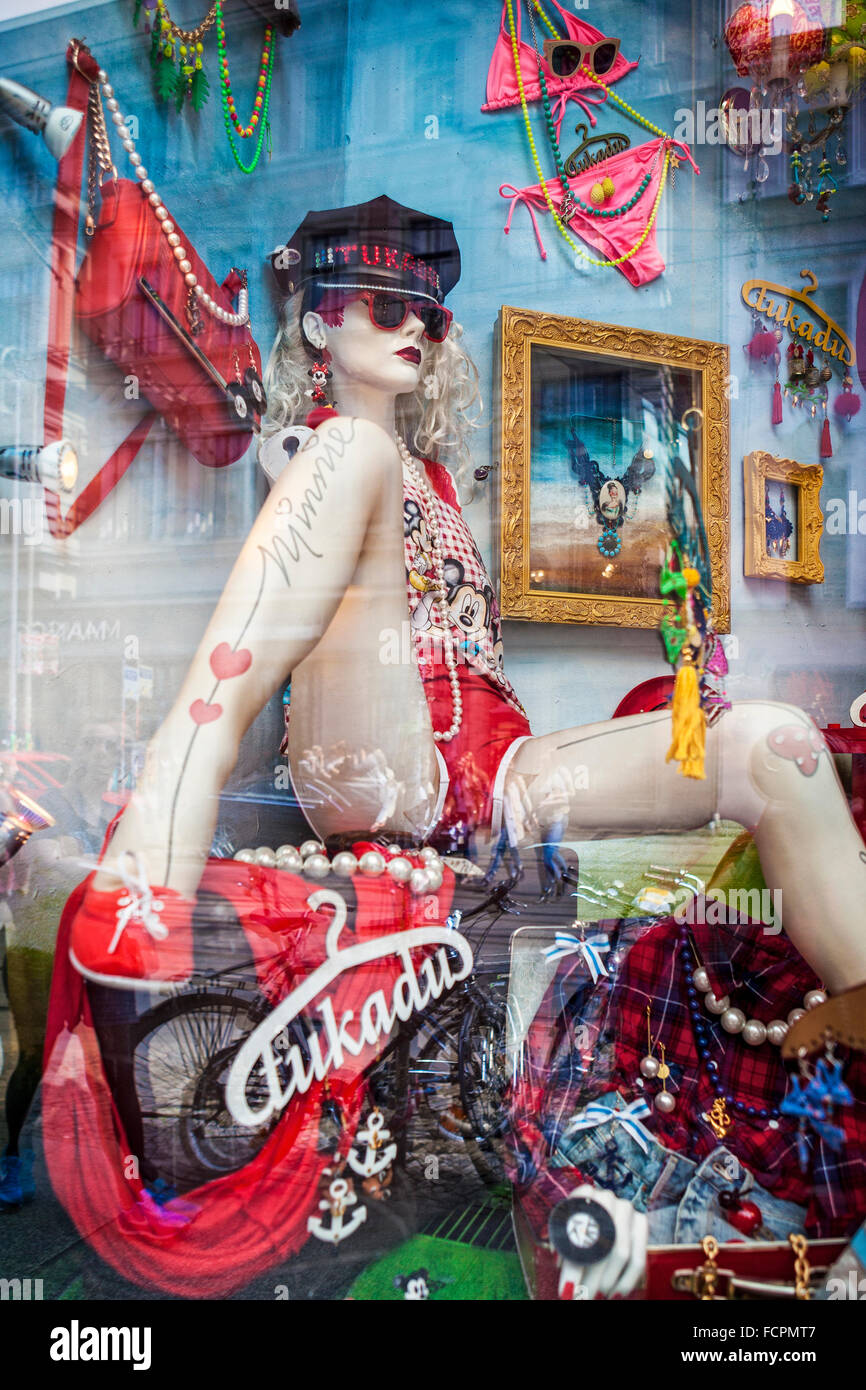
135 937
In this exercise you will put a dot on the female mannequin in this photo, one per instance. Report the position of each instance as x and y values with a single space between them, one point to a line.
321 582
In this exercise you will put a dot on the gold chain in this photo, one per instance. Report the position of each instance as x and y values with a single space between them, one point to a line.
706 1276
190 35
802 1269
98 154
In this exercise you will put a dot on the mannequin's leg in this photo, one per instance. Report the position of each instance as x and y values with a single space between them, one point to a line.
766 768
323 560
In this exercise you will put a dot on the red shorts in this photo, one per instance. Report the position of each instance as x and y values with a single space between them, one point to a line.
490 726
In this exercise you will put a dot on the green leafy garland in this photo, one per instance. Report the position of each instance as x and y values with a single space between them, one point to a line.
176 58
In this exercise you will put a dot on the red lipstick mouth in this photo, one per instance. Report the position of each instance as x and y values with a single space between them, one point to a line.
411 354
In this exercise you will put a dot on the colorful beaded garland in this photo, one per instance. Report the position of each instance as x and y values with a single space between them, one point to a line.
570 196
243 131
262 100
541 179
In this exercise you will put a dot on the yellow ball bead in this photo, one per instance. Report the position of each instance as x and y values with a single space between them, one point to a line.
607 185
596 193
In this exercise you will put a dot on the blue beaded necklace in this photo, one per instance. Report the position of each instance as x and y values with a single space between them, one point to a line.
719 1118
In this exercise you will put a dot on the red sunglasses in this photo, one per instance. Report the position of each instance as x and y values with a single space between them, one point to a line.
390 311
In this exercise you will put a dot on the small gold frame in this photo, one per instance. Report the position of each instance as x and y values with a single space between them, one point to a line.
518 330
759 469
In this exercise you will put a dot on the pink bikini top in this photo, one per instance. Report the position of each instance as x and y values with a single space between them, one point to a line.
502 87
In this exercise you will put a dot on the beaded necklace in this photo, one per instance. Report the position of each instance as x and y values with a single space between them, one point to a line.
554 212
416 473
262 101
263 80
719 1117
169 44
571 199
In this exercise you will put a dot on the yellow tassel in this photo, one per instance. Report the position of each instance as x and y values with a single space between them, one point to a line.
689 723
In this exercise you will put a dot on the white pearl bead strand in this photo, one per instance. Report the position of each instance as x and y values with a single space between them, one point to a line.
752 1030
207 302
312 861
431 517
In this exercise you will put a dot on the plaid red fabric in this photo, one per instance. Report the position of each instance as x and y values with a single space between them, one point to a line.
766 978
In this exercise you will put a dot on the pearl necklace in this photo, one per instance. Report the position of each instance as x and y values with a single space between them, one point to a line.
440 590
160 212
752 1030
423 876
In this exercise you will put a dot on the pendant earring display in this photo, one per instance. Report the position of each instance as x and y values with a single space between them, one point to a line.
813 1098
649 1065
372 1155
341 1212
242 399
656 1069
320 374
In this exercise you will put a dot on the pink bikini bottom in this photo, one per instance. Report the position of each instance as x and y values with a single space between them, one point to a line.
635 172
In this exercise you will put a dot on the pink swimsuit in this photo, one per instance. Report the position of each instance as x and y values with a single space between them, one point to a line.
611 236
502 87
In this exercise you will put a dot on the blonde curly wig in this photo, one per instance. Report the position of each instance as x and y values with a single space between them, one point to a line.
436 419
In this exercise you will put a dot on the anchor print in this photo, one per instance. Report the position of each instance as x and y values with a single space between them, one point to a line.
340 1196
374 1137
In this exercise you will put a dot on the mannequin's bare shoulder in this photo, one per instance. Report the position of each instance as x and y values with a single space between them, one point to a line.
353 435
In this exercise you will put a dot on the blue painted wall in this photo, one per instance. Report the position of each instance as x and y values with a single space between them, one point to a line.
353 96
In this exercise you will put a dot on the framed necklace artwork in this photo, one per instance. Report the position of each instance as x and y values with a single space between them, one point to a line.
599 424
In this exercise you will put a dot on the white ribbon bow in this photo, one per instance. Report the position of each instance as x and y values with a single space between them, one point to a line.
566 944
137 904
595 1115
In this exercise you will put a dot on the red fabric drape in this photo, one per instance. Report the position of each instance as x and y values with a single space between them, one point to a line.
218 1237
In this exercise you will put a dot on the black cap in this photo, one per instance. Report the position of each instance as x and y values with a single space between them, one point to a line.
380 241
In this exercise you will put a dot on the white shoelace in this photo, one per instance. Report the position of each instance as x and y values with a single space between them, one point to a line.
137 904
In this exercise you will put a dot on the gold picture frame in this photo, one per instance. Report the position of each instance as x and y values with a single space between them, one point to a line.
777 546
695 372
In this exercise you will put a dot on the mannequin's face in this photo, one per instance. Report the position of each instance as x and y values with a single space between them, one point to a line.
366 356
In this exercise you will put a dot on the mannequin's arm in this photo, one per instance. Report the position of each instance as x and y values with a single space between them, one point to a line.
285 588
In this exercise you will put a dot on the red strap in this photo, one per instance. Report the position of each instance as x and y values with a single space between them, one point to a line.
84 72
99 486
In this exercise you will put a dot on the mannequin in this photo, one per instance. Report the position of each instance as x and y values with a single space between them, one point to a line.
322 576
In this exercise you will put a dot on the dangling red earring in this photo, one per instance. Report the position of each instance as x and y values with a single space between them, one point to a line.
320 374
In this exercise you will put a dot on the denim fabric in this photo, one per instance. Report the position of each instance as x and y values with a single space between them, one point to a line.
680 1197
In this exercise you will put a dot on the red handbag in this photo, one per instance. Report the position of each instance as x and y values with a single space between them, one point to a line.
128 244
739 1270
176 371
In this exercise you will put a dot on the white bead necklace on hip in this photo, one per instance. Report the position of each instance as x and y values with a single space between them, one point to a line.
431 517
425 875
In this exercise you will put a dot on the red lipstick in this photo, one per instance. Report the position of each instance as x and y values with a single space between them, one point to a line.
412 354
